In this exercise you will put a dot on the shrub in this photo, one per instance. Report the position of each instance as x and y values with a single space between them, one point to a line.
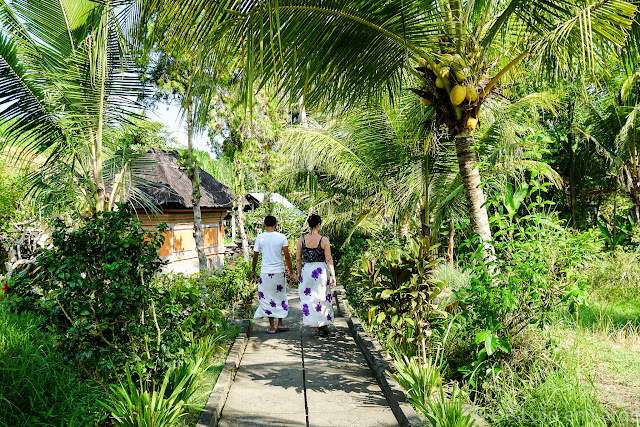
96 298
349 264
402 292
447 411
220 294
420 380
530 284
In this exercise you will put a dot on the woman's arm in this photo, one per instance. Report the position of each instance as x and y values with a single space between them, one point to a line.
299 257
326 245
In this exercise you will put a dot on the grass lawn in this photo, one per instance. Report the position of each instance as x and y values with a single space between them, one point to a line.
604 336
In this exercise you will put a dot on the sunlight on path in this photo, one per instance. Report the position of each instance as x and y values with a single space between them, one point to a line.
335 387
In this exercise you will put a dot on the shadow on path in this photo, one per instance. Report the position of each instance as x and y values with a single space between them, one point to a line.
335 388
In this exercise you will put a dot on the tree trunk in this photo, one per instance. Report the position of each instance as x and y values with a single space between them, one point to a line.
233 226
266 202
243 236
194 176
451 235
243 233
473 192
572 177
404 227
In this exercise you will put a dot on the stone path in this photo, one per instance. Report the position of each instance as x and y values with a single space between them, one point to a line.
294 379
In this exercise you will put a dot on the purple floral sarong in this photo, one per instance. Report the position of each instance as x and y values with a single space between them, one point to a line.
315 294
272 296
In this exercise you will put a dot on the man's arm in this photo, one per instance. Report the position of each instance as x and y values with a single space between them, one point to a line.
299 257
254 263
287 260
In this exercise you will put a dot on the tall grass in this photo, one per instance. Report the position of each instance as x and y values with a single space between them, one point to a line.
614 301
563 397
36 387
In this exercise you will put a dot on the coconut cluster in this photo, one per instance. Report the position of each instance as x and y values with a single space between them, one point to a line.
452 70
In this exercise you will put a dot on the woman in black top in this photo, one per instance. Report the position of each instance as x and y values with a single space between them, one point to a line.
314 275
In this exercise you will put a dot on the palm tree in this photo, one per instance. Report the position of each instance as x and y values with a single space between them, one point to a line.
65 78
368 167
343 53
615 128
190 80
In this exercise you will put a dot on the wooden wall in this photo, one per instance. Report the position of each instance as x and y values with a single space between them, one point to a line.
179 248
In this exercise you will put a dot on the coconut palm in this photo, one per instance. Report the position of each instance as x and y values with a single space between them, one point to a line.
65 79
368 167
342 53
614 125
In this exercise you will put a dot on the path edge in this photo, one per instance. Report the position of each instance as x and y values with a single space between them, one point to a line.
210 414
405 414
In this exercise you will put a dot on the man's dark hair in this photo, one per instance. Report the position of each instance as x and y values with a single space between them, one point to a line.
270 221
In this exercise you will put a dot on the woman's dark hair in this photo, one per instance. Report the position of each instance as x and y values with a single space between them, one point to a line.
314 220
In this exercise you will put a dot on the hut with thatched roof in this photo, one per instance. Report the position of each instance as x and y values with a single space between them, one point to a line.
167 188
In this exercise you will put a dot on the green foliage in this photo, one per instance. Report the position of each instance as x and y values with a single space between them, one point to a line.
347 266
93 289
12 192
402 292
549 397
447 411
220 294
143 405
37 388
614 282
618 234
535 266
290 223
420 380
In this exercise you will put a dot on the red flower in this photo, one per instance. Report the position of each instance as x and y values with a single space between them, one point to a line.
5 287
366 248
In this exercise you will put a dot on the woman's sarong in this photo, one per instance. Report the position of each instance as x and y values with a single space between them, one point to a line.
314 299
272 296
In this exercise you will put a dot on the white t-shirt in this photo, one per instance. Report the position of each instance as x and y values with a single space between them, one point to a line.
271 244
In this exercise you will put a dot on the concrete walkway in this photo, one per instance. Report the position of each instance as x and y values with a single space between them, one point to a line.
294 379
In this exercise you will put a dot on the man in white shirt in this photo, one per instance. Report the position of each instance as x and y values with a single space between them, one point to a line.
272 284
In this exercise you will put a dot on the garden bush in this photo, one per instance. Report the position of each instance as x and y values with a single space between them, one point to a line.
221 295
349 264
402 295
93 289
523 287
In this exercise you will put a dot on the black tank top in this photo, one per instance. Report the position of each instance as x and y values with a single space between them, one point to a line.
312 255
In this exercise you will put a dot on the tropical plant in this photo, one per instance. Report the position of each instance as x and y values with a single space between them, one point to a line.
420 379
403 293
143 405
66 77
613 126
367 167
460 53
447 411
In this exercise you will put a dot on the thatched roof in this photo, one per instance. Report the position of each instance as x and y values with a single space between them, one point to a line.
174 187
